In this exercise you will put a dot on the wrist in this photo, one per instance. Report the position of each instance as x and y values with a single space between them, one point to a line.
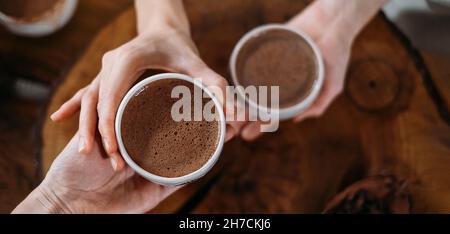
349 18
43 200
342 20
163 29
162 24
155 15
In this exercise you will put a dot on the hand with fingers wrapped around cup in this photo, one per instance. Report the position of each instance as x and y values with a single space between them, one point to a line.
328 29
86 183
163 42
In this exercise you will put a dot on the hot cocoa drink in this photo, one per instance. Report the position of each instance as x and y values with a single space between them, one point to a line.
278 57
156 142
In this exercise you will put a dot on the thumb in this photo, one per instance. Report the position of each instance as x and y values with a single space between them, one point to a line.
217 84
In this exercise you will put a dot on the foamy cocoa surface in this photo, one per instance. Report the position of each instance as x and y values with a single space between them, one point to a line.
281 58
156 142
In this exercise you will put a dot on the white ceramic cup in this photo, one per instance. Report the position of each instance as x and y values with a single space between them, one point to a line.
171 181
47 24
291 111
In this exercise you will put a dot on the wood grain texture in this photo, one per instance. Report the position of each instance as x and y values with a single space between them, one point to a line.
386 121
439 66
43 60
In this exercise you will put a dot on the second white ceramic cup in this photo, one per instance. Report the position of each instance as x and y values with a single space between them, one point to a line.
288 112
45 25
171 181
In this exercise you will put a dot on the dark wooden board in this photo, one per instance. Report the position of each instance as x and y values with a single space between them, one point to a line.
388 120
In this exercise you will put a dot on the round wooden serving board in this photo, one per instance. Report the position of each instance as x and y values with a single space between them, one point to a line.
389 120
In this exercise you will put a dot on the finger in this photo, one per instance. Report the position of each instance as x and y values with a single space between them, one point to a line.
251 131
69 108
113 87
88 119
197 69
153 193
314 111
217 84
318 107
230 133
236 118
117 162
305 115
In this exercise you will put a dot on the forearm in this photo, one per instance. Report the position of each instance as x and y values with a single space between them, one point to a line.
344 18
156 14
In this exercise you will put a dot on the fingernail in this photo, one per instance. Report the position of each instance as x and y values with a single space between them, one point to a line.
52 117
114 163
81 144
229 135
106 145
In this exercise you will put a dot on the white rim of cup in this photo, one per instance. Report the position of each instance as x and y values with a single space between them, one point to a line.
43 26
171 181
291 111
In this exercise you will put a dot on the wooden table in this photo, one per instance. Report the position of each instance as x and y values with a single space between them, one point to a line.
392 117
46 61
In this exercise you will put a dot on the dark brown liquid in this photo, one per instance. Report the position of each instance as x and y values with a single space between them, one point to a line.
156 142
278 58
27 9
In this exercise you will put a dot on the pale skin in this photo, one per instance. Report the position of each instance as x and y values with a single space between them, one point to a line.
333 25
163 42
90 176
79 183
